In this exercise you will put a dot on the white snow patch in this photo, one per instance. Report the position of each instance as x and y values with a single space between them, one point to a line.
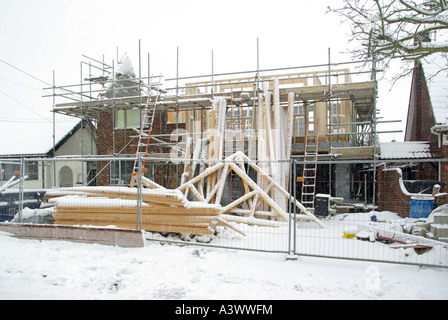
435 68
405 150
33 269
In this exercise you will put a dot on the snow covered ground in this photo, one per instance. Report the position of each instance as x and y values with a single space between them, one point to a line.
34 269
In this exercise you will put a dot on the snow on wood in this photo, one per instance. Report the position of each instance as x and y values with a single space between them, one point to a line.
7 184
150 184
163 196
252 221
401 237
99 203
221 183
216 145
290 125
309 215
162 210
253 193
269 133
12 182
83 201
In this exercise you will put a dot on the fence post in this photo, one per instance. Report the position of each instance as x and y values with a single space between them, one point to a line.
21 187
292 209
294 191
139 193
289 212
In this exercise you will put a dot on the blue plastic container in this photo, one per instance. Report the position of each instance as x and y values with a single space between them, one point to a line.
421 207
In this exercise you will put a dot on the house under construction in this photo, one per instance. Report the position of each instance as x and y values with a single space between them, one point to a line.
316 115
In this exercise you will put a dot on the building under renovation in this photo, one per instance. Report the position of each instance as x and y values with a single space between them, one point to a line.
317 116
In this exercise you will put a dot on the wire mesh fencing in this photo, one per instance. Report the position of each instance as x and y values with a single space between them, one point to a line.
361 211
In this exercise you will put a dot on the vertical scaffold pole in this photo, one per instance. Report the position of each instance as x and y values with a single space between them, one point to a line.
139 193
54 129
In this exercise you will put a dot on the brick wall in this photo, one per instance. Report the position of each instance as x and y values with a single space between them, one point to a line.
119 141
389 194
444 168
423 119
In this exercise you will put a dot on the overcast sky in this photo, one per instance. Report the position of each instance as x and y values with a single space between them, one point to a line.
41 36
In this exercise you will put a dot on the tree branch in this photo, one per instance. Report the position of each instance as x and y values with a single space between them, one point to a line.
396 28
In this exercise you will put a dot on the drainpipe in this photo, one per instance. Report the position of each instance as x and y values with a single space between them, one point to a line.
439 134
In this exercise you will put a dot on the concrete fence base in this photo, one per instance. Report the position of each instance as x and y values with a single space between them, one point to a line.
107 236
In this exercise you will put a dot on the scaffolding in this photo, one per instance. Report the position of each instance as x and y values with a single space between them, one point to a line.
346 109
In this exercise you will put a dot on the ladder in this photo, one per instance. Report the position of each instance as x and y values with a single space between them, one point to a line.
147 120
310 165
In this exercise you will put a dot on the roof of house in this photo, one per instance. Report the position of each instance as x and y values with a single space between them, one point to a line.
37 140
436 71
405 150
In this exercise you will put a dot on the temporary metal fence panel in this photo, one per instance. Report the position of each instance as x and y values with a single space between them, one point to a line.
360 222
368 215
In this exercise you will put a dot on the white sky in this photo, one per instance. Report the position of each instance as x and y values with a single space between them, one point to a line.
41 36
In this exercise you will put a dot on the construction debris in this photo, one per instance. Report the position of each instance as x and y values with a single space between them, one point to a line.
404 240
408 232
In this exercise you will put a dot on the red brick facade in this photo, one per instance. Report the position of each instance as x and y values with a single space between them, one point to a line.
424 120
444 168
122 142
419 129
390 196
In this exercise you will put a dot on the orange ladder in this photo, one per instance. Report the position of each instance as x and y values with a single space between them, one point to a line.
148 120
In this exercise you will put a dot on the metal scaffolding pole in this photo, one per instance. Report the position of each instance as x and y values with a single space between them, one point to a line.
54 129
201 102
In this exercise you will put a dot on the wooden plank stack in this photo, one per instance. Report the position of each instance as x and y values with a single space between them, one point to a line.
162 210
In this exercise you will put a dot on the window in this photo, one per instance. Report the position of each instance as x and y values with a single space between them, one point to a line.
32 170
336 116
10 169
311 119
121 172
130 118
301 113
299 121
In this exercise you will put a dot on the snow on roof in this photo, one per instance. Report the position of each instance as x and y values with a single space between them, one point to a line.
405 150
32 140
435 68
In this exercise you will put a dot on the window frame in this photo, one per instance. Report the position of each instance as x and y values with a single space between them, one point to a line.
8 170
127 118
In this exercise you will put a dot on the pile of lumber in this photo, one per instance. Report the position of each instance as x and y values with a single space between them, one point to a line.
162 210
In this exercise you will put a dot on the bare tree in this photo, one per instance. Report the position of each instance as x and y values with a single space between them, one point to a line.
388 29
